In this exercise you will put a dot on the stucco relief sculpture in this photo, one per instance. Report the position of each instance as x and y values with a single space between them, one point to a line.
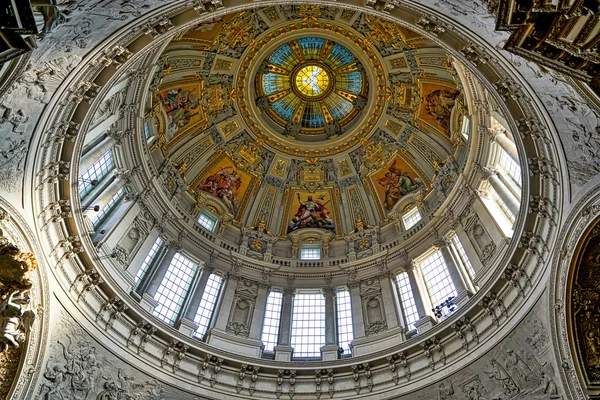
16 316
257 241
363 240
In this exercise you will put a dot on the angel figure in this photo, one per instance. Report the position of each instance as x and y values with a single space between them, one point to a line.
15 321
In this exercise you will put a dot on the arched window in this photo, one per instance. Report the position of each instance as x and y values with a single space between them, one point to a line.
344 320
308 324
174 288
270 331
207 304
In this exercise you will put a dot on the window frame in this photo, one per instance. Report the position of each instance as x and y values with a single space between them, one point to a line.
173 278
98 171
317 297
309 248
409 216
209 217
344 323
208 303
271 308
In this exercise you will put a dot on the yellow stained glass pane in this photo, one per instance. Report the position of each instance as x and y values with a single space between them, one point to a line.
312 80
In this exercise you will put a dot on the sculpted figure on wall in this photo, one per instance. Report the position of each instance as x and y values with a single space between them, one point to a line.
16 316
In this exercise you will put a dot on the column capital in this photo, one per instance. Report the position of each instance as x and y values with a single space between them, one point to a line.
328 291
289 291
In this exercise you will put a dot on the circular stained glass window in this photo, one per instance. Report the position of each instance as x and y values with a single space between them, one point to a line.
312 80
311 86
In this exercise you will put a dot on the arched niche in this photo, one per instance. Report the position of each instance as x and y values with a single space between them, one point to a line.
583 307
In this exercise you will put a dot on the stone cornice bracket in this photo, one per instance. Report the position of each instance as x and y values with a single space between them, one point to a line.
202 6
62 131
155 26
432 25
115 56
475 54
382 5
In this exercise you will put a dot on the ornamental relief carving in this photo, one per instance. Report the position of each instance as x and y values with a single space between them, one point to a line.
16 315
585 305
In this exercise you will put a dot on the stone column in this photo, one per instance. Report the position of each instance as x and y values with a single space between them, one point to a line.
507 197
505 143
186 323
469 249
358 320
330 350
462 291
258 316
223 311
425 322
154 278
283 350
389 303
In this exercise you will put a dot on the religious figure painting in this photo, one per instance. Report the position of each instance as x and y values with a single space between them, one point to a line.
311 210
437 102
183 108
395 180
226 182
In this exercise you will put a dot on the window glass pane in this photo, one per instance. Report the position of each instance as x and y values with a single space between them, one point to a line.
437 279
207 304
310 253
148 261
308 324
207 222
270 331
407 300
411 218
510 167
96 172
344 320
174 288
462 255
112 203
501 203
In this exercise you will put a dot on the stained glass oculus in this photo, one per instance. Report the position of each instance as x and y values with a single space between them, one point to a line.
311 83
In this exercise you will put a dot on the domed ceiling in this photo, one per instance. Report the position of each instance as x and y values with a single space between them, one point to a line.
261 112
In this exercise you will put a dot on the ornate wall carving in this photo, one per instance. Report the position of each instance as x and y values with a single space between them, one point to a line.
585 305
244 301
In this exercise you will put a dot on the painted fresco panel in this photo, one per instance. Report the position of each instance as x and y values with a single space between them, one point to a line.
182 107
437 101
223 180
311 210
393 181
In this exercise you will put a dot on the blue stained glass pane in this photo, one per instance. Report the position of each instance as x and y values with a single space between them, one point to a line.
284 56
311 47
313 116
350 82
338 56
273 83
337 106
287 106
